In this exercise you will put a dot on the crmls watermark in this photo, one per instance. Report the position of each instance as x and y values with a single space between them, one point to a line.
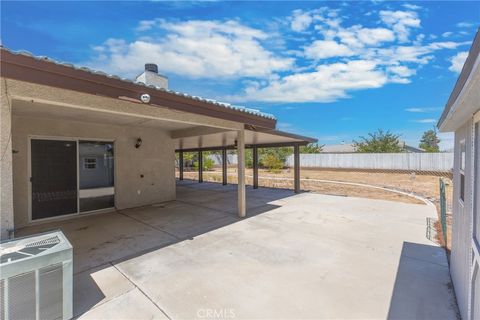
207 313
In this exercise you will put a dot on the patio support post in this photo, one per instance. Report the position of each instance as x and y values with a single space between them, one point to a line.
224 166
6 167
296 168
242 207
180 164
200 166
255 167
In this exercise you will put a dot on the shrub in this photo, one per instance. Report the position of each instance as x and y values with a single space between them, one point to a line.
207 164
273 164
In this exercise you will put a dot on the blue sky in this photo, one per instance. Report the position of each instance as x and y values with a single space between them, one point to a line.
331 70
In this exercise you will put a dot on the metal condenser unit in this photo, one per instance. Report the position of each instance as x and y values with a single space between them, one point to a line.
36 275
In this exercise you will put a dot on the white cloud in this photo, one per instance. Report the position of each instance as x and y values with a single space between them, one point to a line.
401 22
145 25
401 71
301 21
425 121
464 24
349 58
358 36
447 34
411 6
422 110
321 49
340 57
457 61
206 49
375 36
327 83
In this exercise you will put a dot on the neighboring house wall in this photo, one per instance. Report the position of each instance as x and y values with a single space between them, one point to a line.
154 159
462 217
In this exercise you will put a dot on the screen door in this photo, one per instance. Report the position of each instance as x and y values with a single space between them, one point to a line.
53 178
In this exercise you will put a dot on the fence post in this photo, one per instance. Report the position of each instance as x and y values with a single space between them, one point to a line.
443 210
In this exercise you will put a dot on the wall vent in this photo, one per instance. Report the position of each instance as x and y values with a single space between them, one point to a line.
36 277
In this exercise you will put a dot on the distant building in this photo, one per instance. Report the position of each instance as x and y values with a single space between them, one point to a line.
339 148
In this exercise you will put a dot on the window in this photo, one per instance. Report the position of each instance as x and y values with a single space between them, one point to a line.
90 163
462 170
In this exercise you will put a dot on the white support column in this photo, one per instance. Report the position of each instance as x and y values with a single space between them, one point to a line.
242 205
6 183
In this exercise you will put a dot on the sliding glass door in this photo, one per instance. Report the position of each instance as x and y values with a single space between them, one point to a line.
96 175
70 176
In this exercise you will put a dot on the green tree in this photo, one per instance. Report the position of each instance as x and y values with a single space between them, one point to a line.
311 148
379 142
430 141
207 164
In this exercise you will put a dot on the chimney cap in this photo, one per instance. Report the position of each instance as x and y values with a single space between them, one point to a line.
152 67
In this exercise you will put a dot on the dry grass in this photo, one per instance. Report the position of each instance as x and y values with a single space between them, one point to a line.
423 185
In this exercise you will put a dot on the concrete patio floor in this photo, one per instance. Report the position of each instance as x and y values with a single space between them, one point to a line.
296 256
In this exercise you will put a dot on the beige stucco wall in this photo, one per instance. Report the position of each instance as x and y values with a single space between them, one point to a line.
6 194
71 99
154 159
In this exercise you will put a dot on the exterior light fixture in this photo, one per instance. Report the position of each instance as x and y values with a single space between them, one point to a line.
139 143
145 98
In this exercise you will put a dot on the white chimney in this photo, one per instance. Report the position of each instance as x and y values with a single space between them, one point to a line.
151 77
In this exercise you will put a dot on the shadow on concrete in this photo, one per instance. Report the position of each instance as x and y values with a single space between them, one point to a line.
422 285
102 240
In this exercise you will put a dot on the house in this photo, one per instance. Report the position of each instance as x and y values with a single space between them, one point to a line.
462 116
76 141
339 148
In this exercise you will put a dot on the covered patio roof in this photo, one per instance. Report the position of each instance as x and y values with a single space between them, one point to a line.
189 140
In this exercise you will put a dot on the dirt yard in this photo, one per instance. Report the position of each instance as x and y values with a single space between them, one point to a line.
323 181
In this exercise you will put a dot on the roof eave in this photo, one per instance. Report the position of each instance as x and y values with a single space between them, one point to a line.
45 72
462 80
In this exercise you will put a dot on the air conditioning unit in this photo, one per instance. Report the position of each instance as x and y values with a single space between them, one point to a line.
36 277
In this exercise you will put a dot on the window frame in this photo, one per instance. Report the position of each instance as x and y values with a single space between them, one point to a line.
88 161
461 170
